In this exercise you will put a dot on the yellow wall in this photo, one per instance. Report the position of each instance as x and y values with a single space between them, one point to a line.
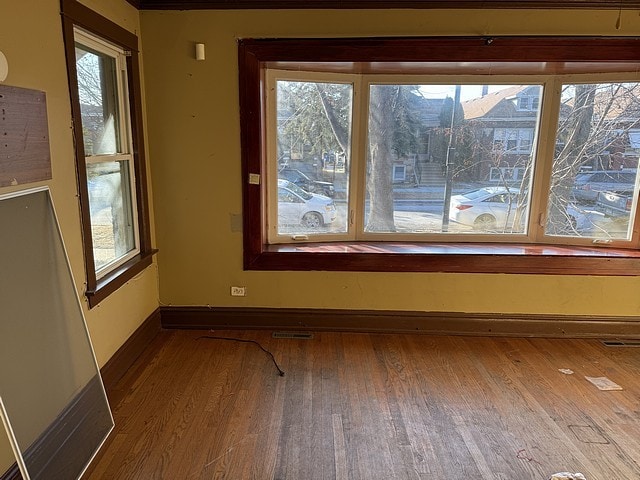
31 39
195 144
194 153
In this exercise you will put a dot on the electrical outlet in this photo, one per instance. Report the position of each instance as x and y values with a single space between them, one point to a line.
238 291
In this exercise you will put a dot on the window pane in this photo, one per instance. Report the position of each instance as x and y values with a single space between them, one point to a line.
476 158
593 180
313 148
97 88
112 225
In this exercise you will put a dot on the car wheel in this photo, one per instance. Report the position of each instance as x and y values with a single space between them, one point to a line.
485 222
312 220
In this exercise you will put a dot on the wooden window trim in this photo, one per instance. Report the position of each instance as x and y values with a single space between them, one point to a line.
382 4
368 54
74 14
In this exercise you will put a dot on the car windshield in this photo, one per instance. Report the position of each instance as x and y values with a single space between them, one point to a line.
298 191
294 175
299 174
475 194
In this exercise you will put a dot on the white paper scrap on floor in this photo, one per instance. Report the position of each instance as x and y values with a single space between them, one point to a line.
567 476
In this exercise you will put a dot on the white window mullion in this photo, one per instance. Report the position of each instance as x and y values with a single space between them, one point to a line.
544 151
107 158
126 143
123 110
359 150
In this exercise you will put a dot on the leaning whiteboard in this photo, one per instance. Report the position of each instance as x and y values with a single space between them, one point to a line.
52 400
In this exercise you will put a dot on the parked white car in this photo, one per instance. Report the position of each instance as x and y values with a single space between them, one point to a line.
497 210
298 207
489 209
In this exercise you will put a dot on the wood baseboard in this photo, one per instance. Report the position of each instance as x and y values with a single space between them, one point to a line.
119 363
441 323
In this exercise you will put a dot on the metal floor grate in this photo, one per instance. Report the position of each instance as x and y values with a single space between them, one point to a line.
298 335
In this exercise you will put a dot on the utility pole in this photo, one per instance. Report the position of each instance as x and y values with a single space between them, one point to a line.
450 163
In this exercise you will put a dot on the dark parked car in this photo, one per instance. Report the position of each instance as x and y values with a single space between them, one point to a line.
614 204
589 184
312 186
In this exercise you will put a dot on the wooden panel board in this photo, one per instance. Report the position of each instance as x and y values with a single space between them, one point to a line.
24 136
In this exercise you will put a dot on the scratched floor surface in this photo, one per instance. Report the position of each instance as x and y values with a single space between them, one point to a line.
372 406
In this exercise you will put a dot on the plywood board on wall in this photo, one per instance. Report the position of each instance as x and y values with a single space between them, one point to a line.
24 136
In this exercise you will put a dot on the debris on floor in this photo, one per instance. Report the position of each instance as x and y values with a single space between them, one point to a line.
567 476
566 371
603 383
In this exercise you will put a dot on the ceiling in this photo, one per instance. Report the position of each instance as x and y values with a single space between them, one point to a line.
381 4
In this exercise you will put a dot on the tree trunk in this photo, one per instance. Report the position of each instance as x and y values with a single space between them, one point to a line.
380 185
339 131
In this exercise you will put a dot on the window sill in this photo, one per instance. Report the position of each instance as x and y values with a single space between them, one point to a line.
452 258
108 284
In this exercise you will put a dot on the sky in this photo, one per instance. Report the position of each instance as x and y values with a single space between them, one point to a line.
466 93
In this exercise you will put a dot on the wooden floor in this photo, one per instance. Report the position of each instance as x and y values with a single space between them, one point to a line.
373 406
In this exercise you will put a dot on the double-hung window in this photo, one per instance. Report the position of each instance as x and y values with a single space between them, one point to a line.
450 145
106 106
102 89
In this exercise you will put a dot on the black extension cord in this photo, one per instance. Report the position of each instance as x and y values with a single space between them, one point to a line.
273 359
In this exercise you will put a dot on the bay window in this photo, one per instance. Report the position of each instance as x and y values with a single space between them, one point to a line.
455 145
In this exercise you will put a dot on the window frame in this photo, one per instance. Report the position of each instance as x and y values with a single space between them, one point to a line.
402 177
123 154
519 135
271 210
99 284
380 55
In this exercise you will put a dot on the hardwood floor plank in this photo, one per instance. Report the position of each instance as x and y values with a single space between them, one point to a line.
372 406
533 453
596 418
340 454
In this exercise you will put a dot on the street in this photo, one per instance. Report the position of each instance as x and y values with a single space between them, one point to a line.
425 216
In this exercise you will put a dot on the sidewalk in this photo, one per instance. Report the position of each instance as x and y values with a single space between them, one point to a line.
432 192
422 193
